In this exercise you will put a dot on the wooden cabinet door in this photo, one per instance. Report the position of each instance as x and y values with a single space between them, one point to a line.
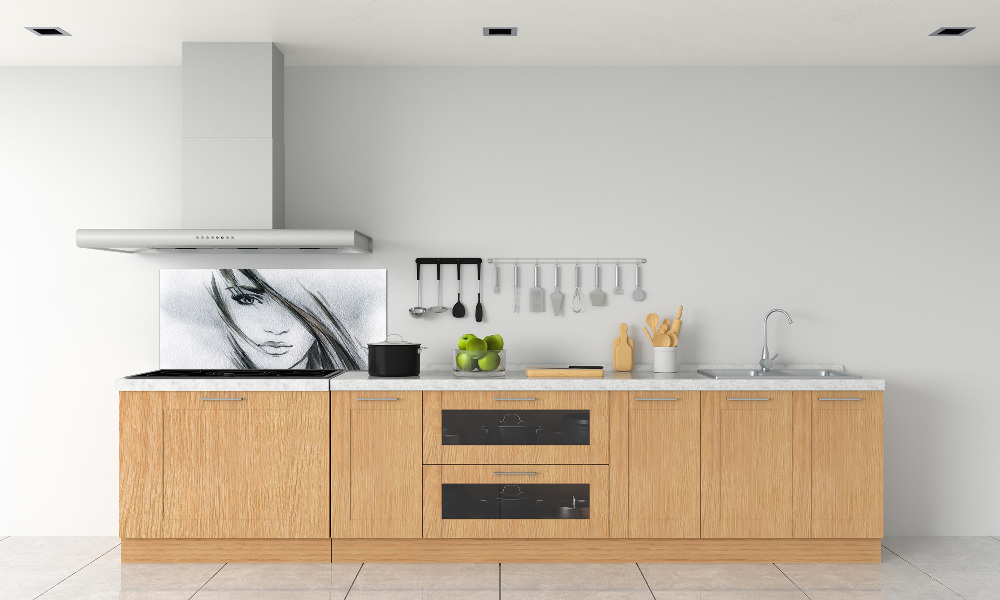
246 465
140 464
746 457
847 464
376 465
664 443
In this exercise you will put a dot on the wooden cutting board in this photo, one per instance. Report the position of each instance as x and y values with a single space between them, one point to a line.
563 372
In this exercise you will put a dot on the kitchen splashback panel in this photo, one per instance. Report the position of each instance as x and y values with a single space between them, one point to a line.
270 318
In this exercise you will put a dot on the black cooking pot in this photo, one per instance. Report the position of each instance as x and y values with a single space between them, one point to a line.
394 359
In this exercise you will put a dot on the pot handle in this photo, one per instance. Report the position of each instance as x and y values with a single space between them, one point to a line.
520 421
394 334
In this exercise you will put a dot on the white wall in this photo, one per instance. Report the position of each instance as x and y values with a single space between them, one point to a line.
860 200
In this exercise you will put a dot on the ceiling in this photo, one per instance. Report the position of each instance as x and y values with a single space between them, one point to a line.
551 32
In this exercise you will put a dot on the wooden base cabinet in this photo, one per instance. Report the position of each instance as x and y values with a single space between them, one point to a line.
746 464
664 449
224 464
375 465
842 433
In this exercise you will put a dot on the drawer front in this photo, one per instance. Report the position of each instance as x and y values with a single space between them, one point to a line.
515 501
516 427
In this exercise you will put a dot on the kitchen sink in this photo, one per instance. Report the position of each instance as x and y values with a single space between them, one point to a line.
777 374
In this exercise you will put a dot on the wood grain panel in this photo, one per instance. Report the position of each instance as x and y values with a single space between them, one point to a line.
381 456
746 465
608 551
594 453
618 470
225 550
847 464
594 475
801 466
140 464
252 468
664 465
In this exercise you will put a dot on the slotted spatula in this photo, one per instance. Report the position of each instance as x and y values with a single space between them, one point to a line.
597 297
536 296
557 296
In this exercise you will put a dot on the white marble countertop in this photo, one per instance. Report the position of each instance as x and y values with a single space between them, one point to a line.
640 379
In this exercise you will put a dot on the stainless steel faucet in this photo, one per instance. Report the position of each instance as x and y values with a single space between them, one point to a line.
766 360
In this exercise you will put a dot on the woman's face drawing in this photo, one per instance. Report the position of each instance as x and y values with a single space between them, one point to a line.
272 336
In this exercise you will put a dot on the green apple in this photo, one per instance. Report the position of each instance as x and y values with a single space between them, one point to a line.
465 361
494 342
490 362
462 341
476 347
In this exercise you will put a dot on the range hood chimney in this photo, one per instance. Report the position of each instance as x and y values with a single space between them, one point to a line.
233 163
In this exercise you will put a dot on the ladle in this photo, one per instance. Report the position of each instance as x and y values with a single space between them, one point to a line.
440 308
418 311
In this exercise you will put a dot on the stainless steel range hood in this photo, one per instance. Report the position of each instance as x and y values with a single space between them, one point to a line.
233 164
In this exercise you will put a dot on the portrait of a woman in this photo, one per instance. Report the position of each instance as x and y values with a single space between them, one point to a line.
270 319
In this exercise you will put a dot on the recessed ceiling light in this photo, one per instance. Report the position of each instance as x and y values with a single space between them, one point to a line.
952 31
491 31
47 31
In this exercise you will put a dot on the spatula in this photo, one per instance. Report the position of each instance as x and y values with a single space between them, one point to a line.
536 296
557 296
597 297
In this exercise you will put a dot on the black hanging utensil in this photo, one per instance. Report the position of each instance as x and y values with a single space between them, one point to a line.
479 298
459 310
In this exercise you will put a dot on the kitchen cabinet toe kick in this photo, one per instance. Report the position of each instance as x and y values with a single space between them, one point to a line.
608 550
622 550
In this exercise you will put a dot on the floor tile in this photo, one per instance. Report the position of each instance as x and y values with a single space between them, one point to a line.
329 577
70 551
929 553
675 577
840 577
971 584
166 577
383 581
269 594
28 581
564 581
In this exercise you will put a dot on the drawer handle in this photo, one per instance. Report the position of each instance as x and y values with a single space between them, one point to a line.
377 399
656 399
224 399
515 399
744 399
514 473
839 399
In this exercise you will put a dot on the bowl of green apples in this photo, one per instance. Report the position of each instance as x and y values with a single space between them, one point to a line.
477 357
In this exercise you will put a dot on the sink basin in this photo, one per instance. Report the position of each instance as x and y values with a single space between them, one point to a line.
819 373
777 374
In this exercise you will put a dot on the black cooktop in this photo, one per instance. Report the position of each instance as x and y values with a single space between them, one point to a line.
239 374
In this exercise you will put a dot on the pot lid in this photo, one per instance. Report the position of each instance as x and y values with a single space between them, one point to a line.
388 342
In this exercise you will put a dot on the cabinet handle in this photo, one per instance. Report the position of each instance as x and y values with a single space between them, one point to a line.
226 399
514 473
743 399
377 399
839 399
655 399
515 399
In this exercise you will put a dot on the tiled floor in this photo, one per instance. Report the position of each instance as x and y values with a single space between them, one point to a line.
90 568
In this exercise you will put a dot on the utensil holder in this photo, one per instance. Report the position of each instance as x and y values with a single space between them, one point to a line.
664 359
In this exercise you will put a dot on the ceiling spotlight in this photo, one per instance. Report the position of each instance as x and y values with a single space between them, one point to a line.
952 31
499 31
48 31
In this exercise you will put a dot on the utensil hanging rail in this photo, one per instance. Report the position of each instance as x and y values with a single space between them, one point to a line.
567 261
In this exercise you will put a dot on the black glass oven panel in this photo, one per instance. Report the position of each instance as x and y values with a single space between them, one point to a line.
515 427
515 501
